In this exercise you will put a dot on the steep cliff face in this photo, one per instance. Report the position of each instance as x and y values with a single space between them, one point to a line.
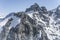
36 23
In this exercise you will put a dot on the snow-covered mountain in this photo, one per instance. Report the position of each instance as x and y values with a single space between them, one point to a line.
36 23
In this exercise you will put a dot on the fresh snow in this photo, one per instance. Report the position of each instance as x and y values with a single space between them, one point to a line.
3 23
14 22
52 31
31 14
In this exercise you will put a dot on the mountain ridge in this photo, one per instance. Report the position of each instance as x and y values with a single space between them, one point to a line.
36 23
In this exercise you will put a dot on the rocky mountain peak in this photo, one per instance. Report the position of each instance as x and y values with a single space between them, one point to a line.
43 8
35 25
58 7
34 7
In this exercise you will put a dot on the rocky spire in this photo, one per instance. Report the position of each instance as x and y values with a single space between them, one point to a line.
34 7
